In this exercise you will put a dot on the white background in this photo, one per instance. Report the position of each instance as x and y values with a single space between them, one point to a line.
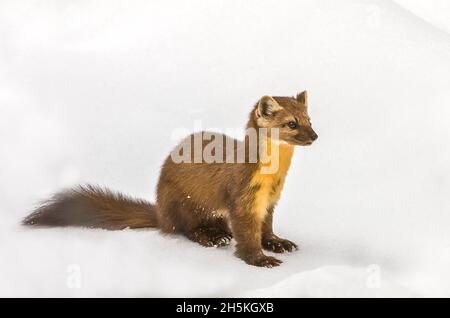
90 92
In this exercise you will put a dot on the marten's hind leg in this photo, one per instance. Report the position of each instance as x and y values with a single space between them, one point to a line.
182 217
211 232
209 236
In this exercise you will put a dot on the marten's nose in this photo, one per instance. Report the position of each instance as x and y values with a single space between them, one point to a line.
314 136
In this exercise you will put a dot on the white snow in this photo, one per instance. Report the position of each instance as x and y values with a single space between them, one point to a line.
92 91
435 12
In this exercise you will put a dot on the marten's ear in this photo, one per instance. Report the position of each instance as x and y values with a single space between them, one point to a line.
267 107
303 98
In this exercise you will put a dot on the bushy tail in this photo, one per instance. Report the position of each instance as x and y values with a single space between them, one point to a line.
93 207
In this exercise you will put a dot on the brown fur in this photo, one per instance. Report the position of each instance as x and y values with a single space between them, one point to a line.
209 203
93 207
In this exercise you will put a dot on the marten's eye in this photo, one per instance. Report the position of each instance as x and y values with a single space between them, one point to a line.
292 125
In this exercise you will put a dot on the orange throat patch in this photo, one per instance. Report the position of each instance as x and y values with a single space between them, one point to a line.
271 184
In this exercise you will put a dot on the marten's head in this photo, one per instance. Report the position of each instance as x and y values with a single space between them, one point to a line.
289 115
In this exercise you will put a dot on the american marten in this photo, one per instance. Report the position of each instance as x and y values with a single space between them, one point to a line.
212 188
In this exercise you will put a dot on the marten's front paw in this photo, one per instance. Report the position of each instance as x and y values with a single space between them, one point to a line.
278 245
267 261
262 260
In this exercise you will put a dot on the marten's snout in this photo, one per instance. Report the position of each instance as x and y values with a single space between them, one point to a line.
314 136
